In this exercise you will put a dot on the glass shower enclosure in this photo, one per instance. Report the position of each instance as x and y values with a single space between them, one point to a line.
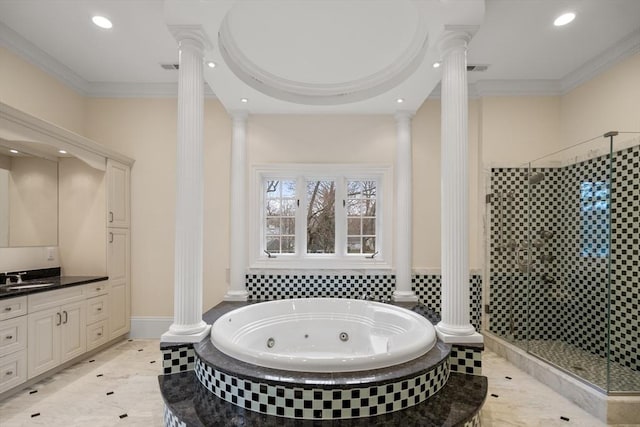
564 259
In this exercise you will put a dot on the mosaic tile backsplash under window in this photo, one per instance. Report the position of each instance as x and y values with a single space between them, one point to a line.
567 297
264 287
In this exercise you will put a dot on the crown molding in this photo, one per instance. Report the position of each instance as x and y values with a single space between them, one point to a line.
139 90
17 44
625 48
38 57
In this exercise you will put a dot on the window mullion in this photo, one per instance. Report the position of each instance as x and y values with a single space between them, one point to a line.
341 217
301 218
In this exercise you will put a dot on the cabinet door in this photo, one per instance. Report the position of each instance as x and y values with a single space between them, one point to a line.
117 194
118 319
73 336
119 292
43 337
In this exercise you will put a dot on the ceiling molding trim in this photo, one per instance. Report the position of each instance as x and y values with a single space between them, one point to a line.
517 88
301 92
139 90
625 48
33 54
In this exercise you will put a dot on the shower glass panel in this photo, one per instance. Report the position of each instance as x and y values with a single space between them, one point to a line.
569 223
564 259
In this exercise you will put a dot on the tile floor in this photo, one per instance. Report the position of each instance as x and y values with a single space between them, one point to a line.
119 387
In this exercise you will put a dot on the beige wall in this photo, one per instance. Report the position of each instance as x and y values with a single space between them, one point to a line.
145 130
518 129
33 202
610 101
33 91
82 246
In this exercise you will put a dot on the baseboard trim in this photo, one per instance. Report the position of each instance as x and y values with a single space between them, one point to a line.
149 327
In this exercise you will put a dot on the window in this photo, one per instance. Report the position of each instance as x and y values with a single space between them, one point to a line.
594 219
320 216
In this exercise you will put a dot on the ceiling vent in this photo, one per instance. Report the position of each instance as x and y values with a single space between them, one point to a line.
170 66
477 67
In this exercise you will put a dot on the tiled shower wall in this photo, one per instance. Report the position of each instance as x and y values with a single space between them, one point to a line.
568 295
263 287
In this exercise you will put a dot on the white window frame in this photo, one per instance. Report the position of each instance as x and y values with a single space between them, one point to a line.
383 174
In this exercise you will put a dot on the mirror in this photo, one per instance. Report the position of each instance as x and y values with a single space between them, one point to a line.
28 200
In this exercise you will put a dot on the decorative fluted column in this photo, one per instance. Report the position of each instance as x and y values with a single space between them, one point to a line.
455 326
188 325
404 194
237 270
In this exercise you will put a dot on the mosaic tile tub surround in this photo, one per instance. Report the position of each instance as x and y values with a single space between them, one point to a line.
380 287
568 294
337 402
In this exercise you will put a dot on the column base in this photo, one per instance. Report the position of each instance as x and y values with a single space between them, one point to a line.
458 335
404 296
236 295
174 334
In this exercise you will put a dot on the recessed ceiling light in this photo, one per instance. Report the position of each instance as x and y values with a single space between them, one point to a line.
244 100
13 151
62 152
211 64
564 19
436 65
102 22
400 100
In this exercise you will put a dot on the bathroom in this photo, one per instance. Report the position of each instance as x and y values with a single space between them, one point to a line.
506 129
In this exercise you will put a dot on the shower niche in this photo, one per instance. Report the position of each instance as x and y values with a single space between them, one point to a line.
563 260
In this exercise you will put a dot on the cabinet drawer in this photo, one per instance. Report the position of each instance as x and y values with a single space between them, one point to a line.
13 307
13 335
97 309
13 370
97 334
95 289
50 299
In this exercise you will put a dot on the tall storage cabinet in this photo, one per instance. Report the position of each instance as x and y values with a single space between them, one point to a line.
118 247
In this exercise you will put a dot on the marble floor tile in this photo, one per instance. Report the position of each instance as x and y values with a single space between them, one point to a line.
119 387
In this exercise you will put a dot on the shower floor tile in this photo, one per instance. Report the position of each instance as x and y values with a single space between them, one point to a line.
588 366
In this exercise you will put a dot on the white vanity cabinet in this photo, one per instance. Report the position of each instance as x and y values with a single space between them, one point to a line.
118 247
98 313
57 328
13 342
117 194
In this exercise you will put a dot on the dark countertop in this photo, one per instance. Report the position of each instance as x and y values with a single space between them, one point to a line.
58 282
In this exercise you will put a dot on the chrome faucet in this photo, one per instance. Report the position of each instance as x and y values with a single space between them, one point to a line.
17 276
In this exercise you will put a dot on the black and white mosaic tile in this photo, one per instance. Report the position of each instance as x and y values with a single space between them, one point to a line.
299 402
177 358
265 287
171 420
569 292
466 359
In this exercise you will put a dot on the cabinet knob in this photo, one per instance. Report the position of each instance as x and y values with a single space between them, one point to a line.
99 334
110 216
59 319
98 289
8 337
9 373
99 308
7 308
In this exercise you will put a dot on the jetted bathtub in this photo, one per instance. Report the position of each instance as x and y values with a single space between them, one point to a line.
323 335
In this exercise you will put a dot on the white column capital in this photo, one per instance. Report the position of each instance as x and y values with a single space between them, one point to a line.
403 115
455 38
191 35
239 116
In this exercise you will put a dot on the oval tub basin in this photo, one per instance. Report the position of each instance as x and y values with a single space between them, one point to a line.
323 335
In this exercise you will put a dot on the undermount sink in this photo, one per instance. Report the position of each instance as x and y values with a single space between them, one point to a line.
18 286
